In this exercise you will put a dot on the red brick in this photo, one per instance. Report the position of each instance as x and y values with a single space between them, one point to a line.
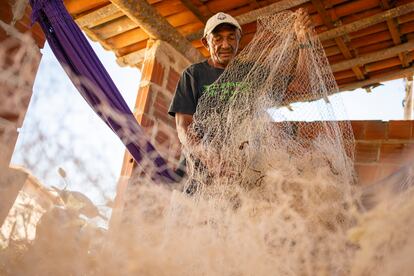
172 80
309 130
366 153
358 127
142 104
412 129
367 174
375 130
157 75
385 170
163 116
146 121
399 130
147 69
161 137
392 153
345 128
161 104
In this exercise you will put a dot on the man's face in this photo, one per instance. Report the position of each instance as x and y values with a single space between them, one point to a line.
222 44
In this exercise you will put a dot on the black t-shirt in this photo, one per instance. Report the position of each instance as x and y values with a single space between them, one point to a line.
192 84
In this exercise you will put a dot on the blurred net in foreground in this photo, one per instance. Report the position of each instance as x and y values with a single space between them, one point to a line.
277 199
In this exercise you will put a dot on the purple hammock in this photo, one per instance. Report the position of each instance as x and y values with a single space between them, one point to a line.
96 86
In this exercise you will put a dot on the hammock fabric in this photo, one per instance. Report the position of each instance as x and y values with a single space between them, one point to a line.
96 86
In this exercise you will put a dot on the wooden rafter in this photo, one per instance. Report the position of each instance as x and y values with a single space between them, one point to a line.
94 18
254 14
157 26
372 57
254 4
395 34
189 5
338 40
367 22
377 79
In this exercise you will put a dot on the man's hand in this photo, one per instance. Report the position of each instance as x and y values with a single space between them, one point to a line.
302 24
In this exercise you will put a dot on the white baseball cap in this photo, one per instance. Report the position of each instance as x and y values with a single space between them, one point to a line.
217 19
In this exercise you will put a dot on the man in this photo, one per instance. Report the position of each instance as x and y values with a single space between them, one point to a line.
221 38
222 34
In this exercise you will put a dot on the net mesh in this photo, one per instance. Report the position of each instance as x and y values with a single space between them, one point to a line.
268 195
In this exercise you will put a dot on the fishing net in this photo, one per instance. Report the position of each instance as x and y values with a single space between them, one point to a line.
265 194
268 195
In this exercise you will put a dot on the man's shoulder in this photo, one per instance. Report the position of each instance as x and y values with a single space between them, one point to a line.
195 67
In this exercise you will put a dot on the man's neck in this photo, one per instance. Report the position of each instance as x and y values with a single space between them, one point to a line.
215 65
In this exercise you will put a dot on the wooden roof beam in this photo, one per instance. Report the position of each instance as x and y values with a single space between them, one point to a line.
372 57
395 34
189 5
339 40
99 16
157 26
254 14
377 79
366 22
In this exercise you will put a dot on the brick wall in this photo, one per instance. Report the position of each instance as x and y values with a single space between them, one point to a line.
161 70
382 148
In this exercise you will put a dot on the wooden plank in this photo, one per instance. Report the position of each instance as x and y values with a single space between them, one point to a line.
115 27
134 58
76 7
372 57
127 38
105 13
369 21
327 20
157 26
189 5
377 79
395 34
253 15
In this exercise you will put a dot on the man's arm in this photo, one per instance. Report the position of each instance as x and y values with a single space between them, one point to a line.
182 122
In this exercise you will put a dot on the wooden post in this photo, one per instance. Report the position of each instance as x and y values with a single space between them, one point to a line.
408 101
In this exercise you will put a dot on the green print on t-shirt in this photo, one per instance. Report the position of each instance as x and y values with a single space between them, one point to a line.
226 90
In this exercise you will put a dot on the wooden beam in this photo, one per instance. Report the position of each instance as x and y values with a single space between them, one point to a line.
134 58
77 7
254 14
327 20
409 98
395 34
189 5
372 57
366 22
115 27
157 26
95 18
377 79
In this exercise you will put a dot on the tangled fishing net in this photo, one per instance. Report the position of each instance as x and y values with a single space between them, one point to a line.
264 195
